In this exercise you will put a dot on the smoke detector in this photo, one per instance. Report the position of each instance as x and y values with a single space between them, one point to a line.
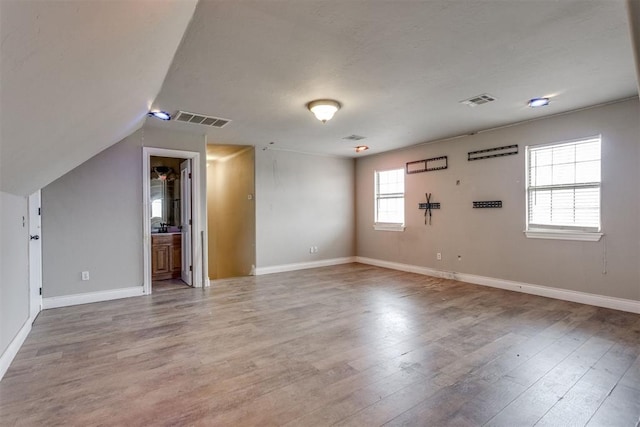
354 137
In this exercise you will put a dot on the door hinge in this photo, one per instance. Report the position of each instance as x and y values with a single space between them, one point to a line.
189 175
39 211
189 222
40 291
191 268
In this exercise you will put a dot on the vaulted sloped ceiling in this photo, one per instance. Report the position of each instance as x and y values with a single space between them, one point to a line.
399 68
77 77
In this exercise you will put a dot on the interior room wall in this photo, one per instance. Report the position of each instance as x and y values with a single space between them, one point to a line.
302 201
92 216
231 214
14 267
491 242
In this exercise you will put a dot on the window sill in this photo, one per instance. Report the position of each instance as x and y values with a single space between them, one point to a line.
583 236
389 227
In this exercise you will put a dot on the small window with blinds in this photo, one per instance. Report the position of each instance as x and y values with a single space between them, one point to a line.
563 190
389 208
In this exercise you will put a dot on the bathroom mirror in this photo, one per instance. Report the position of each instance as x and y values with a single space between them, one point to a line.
165 195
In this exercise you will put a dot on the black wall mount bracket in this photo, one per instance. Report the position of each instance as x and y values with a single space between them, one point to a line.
507 150
427 165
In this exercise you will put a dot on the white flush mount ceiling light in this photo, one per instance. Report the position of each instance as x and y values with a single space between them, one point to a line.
323 109
159 114
538 102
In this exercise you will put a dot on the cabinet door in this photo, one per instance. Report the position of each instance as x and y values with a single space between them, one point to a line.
160 260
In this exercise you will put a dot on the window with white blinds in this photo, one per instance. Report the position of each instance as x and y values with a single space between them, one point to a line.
563 186
389 208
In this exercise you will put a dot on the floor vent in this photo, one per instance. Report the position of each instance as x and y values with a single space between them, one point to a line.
474 101
201 119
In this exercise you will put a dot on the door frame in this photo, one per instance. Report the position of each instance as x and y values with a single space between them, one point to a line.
35 256
196 209
186 212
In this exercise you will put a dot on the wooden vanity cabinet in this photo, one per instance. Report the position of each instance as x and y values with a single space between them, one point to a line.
166 256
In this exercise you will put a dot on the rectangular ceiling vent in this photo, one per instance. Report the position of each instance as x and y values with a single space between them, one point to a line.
201 119
354 137
474 101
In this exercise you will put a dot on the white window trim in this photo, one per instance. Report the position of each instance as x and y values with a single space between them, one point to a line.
561 233
388 226
583 236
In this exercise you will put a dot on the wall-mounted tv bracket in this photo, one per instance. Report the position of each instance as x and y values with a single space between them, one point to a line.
427 208
488 204
507 150
427 165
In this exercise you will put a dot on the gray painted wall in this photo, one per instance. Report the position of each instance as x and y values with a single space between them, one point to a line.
14 267
92 216
491 241
301 201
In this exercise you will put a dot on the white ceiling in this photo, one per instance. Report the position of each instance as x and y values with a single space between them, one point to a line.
78 76
399 68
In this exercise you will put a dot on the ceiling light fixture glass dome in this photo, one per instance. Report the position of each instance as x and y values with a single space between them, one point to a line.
159 114
323 109
538 102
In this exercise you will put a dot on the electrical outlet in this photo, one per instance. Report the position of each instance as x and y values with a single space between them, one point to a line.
439 256
85 275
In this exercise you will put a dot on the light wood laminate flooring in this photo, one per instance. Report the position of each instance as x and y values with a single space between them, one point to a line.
346 345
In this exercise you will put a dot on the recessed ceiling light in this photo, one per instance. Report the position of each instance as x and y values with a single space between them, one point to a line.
159 114
361 148
538 102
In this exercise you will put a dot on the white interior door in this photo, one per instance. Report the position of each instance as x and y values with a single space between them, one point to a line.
35 256
185 215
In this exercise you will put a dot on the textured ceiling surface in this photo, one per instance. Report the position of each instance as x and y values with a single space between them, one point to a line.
400 69
77 77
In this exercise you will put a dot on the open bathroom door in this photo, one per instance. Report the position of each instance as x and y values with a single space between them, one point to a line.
35 256
185 215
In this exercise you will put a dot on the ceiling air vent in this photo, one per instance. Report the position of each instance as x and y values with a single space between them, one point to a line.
474 101
354 137
201 119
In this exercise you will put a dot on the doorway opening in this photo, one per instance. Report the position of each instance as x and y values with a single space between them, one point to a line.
231 216
170 198
172 249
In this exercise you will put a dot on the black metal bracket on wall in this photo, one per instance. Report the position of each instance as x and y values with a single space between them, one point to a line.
488 204
428 205
507 150
427 165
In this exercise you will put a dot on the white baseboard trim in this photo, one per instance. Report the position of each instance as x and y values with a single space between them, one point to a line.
89 297
303 265
621 304
13 348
